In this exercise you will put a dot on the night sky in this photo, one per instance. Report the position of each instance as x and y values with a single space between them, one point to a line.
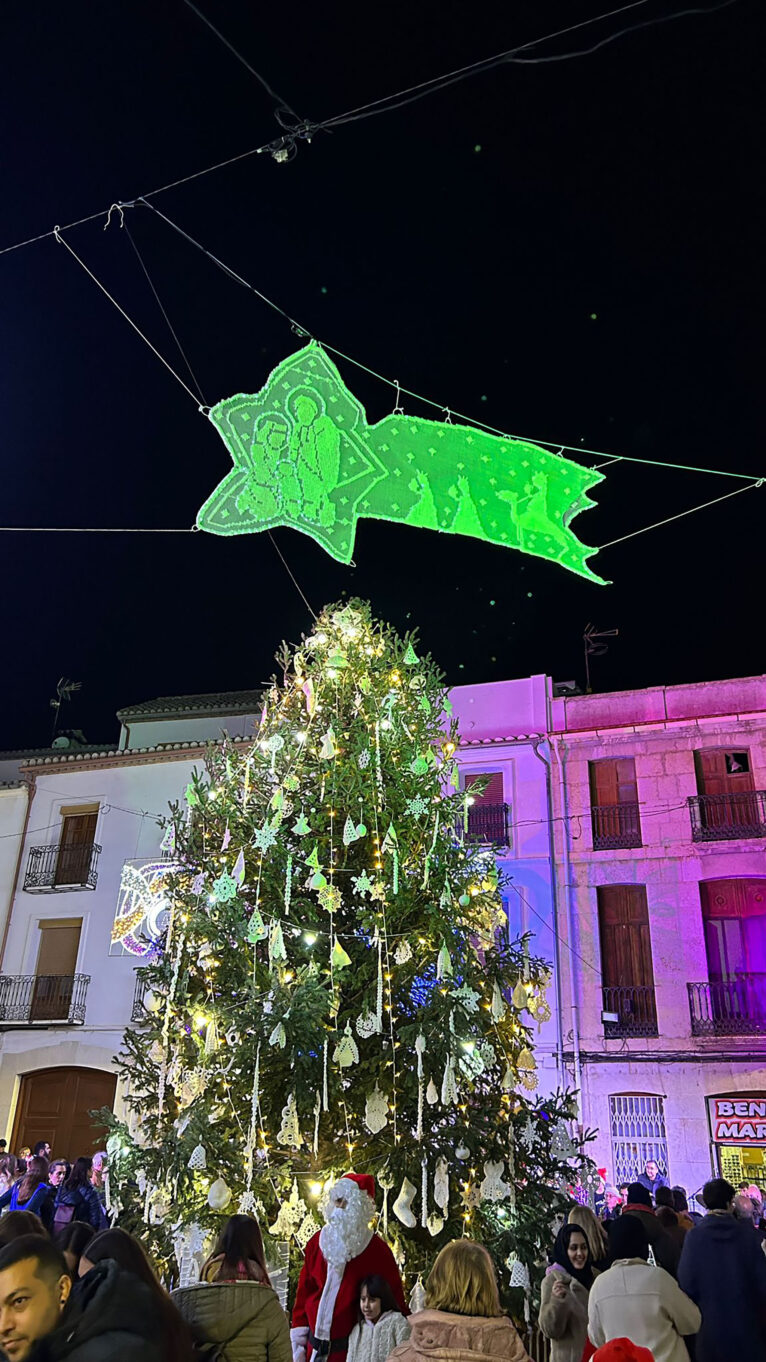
568 251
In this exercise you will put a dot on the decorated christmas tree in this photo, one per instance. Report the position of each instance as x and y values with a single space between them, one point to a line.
330 982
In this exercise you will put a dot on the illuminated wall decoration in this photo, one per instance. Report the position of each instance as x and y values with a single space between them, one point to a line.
306 457
143 907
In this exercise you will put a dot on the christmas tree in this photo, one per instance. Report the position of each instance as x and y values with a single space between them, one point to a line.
336 987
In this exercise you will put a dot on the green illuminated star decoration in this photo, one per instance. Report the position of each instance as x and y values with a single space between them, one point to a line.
306 457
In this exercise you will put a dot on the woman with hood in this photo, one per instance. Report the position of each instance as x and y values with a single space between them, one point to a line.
234 1307
462 1320
633 1300
564 1295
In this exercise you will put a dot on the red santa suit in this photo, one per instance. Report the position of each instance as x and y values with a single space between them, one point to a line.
337 1260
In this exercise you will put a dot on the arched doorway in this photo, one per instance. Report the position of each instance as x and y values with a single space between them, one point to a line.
54 1104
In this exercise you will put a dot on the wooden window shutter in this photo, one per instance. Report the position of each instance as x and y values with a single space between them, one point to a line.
714 773
626 948
613 782
493 794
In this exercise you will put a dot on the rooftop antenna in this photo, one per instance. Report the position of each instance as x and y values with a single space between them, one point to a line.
64 691
594 647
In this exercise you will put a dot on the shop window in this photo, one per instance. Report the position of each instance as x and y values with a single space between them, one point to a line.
637 1123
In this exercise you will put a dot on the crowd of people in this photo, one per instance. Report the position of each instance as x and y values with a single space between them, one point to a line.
55 1190
680 1284
653 1283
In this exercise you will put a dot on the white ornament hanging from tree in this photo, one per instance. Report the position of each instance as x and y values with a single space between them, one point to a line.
346 1051
403 1204
441 1185
494 1187
498 1008
403 952
420 1045
197 1159
219 1195
432 1093
449 1093
290 1130
366 1024
376 1111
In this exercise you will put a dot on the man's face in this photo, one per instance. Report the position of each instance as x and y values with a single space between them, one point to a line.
651 1170
30 1307
623 1193
57 1174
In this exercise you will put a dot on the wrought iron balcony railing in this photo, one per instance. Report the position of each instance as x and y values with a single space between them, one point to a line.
631 1008
726 817
615 826
57 868
729 1007
489 823
30 998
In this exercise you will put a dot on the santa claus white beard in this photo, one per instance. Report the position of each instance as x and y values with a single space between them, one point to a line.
346 1234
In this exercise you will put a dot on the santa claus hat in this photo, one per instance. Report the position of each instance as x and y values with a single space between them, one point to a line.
364 1180
622 1350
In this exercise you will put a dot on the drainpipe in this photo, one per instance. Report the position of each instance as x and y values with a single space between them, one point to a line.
32 785
564 804
536 745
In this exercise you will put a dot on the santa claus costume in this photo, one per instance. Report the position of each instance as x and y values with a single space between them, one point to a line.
337 1260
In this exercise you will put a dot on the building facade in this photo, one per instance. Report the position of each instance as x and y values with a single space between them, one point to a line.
659 824
631 833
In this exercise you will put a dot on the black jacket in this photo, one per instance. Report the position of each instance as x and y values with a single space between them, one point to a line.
110 1317
723 1269
86 1204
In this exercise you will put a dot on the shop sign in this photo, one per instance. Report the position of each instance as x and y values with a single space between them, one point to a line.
738 1120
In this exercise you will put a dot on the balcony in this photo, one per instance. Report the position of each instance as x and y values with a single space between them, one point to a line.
729 1007
488 823
727 817
57 869
615 826
30 999
632 1010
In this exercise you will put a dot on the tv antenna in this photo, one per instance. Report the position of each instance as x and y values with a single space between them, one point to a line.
64 691
595 647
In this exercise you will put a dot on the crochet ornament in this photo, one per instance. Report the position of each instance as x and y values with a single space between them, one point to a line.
306 457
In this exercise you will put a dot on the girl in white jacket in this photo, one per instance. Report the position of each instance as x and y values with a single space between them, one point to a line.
381 1325
633 1300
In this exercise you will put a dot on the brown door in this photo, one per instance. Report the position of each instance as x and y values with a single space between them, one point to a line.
725 778
626 951
53 1105
56 965
78 833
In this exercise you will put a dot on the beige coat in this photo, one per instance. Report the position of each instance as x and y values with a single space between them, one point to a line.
645 1304
564 1320
245 1317
439 1337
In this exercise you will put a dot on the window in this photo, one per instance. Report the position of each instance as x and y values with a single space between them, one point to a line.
727 804
487 813
55 969
722 772
626 961
493 794
75 849
614 803
637 1123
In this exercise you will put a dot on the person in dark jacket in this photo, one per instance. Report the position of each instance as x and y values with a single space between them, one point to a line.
76 1199
117 1248
32 1192
109 1316
652 1178
639 1203
723 1269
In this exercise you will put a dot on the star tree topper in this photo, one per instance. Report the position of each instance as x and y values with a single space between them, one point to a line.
306 457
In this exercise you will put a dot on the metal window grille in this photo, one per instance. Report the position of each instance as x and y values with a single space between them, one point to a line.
638 1135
